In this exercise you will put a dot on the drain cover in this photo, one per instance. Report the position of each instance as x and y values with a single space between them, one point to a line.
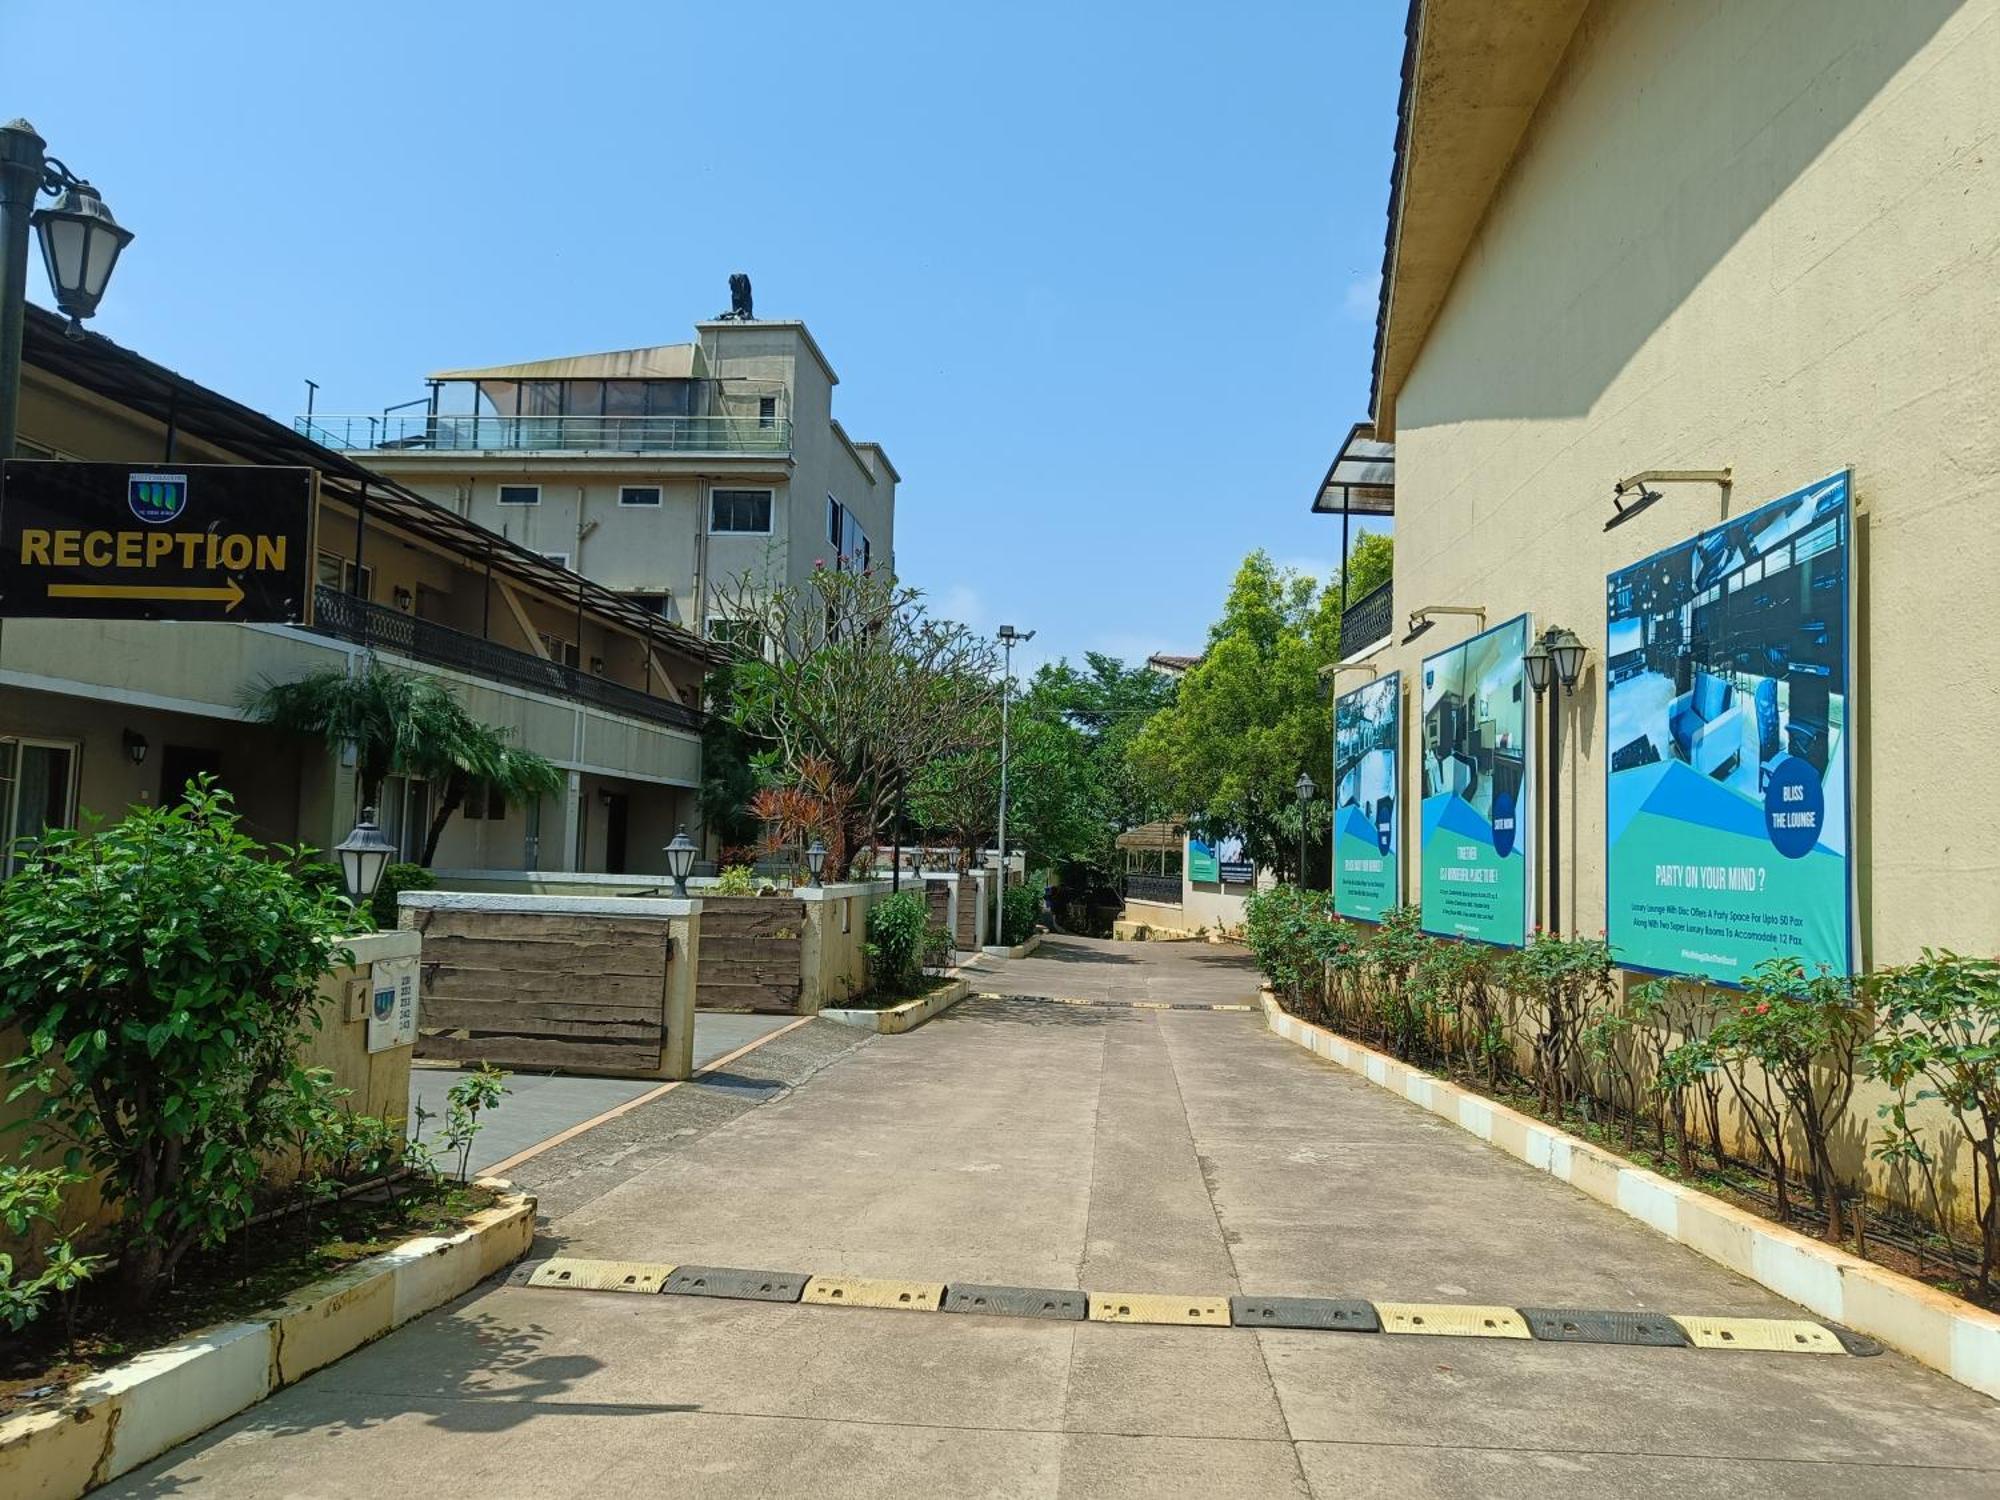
732 1281
1590 1325
600 1275
1016 1301
1773 1335
1456 1319
1304 1312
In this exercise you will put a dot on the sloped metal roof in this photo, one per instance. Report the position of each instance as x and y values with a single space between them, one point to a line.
659 362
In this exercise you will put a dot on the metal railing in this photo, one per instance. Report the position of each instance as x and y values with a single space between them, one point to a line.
1369 619
1162 890
373 625
421 432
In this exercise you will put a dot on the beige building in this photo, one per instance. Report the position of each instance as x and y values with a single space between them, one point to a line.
1740 235
665 474
96 716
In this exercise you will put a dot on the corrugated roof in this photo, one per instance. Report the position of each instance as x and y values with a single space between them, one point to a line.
659 362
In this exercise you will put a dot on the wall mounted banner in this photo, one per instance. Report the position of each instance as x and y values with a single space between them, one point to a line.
1726 805
1476 816
1367 805
1202 867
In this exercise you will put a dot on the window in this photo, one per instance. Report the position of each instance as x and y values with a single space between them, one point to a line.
836 522
520 494
639 494
337 573
739 510
560 559
485 802
560 650
37 791
652 604
767 411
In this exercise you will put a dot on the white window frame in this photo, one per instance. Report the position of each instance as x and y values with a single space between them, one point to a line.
10 789
656 491
770 510
500 494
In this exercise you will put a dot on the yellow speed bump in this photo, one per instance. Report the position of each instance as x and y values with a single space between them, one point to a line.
1453 1320
860 1291
1770 1335
601 1275
1154 1307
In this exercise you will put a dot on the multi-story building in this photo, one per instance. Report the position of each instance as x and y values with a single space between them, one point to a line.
666 474
98 715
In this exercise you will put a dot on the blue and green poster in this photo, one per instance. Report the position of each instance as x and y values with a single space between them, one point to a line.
1202 866
1475 846
1367 807
1726 804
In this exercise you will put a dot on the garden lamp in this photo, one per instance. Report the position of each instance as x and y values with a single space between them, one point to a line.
816 860
1305 788
1538 661
1568 652
680 860
80 245
364 855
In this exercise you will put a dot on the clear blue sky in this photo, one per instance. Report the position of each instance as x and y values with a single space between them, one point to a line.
1100 277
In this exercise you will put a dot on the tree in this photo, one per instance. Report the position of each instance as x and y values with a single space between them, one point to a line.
851 669
459 755
728 766
1251 716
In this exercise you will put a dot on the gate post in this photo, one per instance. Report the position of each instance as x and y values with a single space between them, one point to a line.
683 974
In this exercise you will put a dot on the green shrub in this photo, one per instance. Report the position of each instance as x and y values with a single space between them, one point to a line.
395 880
31 1204
736 880
163 973
1020 910
940 947
897 926
1294 936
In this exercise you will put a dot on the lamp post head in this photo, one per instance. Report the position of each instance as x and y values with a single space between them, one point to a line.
81 243
1538 662
1569 653
680 860
1305 788
364 855
816 860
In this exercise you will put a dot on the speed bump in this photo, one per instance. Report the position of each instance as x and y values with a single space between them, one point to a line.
1453 1319
1153 1307
1304 1312
860 1291
1771 1335
1015 1301
732 1281
600 1275
1583 1325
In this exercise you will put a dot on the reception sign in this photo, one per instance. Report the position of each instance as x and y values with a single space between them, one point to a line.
1727 810
1476 816
1367 805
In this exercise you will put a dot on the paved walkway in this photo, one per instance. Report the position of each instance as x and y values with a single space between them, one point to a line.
1111 1148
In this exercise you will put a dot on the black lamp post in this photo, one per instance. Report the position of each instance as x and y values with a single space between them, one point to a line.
1558 654
680 860
364 854
1305 788
80 245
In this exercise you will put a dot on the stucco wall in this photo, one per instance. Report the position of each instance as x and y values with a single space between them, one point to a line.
1762 236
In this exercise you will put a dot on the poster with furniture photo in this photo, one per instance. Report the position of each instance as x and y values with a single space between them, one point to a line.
1474 758
1367 740
1727 776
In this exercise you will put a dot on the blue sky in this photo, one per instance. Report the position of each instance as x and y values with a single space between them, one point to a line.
1101 278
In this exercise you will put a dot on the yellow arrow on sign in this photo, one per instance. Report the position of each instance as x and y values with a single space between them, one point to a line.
229 593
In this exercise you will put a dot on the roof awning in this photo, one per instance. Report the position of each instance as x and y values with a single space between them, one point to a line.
1362 478
660 362
1163 835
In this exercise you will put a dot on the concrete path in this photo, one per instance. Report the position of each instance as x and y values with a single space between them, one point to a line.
1182 973
1112 1148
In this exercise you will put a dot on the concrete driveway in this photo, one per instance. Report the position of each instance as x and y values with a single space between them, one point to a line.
1112 1148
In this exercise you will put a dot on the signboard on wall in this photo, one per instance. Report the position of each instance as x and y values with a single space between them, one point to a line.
392 1003
1729 715
1235 869
228 542
1201 862
1367 799
1475 845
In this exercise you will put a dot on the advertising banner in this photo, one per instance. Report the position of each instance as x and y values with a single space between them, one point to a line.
1235 869
1367 805
1476 818
1202 866
1726 803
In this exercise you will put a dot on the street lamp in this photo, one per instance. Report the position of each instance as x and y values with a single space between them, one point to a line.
1557 655
1008 637
816 860
80 245
1305 788
1568 652
680 860
364 855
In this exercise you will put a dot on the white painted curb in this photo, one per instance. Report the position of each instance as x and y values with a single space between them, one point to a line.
905 1017
114 1422
1022 950
1934 1328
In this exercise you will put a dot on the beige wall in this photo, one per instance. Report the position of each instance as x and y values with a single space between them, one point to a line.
1760 235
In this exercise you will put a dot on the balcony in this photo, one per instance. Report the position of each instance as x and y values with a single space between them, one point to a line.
379 628
405 432
1369 619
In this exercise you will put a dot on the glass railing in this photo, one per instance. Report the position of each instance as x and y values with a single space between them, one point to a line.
421 432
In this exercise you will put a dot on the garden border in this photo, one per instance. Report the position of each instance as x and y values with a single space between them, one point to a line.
1934 1328
1019 950
130 1414
909 1015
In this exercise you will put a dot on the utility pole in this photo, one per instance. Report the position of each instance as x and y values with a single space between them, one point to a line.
1008 636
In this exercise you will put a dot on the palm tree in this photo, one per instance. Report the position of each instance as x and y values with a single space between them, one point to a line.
459 755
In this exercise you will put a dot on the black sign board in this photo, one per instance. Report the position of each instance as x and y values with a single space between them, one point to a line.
155 541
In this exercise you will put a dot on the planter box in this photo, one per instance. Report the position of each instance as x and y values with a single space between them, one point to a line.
115 1421
1934 1328
1021 950
905 1017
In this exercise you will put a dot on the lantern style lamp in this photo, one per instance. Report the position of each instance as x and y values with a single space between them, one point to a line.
1305 788
816 860
1538 661
80 244
680 860
1568 652
364 855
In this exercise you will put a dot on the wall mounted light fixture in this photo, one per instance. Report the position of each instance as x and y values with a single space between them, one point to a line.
1421 619
1639 488
135 746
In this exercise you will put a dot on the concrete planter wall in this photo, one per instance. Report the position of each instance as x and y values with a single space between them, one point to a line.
1019 950
905 1017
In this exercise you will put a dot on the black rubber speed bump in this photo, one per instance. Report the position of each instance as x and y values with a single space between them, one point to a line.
1304 1312
1592 1325
733 1281
1017 1301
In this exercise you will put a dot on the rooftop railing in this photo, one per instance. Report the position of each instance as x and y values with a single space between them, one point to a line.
419 432
378 627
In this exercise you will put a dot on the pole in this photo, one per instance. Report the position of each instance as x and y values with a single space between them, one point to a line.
1555 809
22 162
1302 845
896 835
1000 885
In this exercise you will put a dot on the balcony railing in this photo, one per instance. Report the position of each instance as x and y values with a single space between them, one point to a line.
417 432
375 626
1162 890
1369 619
